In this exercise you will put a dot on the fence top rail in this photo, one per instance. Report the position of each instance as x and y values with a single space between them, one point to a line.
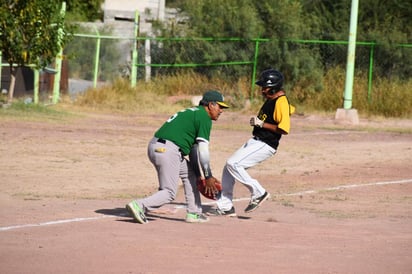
303 41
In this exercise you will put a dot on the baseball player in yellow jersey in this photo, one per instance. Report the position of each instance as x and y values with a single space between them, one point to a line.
272 121
167 150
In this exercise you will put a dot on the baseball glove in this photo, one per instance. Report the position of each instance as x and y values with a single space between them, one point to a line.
201 183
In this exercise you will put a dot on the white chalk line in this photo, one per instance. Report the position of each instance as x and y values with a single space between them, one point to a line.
405 181
339 132
55 222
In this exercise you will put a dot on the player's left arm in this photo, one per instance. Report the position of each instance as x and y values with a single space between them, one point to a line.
212 185
282 116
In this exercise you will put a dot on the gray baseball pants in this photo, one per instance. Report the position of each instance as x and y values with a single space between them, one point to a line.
171 165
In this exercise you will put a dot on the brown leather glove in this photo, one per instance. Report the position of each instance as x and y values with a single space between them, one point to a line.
212 186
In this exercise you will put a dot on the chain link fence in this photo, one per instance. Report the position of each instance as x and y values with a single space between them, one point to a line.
91 60
100 59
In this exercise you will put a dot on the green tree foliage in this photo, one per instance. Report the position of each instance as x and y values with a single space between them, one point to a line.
388 23
31 32
277 21
327 19
282 22
214 19
385 22
86 11
285 20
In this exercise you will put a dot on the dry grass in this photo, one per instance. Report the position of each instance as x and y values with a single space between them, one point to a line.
154 96
388 98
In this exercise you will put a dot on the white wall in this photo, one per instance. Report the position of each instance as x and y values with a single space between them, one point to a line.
139 5
125 9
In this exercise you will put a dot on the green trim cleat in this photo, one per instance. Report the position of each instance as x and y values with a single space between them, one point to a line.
137 212
196 218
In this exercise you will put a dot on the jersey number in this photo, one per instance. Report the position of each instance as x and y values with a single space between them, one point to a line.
175 115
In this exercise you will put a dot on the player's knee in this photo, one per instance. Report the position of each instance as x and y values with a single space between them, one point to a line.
231 166
172 195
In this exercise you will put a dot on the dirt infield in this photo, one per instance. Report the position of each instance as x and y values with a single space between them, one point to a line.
341 200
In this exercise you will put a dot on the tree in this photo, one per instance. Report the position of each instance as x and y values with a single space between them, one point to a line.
278 21
31 33
285 20
388 23
80 10
385 22
216 19
230 18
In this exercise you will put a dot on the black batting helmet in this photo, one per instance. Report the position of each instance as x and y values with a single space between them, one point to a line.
271 78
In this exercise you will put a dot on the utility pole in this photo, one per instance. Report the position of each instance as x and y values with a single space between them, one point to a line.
347 113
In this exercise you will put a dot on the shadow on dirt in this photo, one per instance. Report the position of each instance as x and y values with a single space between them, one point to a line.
121 212
165 213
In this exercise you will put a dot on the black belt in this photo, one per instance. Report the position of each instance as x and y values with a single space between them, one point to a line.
160 140
163 141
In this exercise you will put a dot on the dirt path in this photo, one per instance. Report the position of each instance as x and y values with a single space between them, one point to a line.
341 200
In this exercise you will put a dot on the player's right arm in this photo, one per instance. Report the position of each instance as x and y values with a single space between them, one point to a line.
204 157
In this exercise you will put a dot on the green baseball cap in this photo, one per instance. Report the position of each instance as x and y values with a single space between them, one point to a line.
214 96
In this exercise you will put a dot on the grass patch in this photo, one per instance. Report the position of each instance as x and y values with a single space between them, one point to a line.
34 112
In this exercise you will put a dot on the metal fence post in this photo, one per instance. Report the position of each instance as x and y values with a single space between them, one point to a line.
1 67
134 53
36 85
370 72
254 68
96 60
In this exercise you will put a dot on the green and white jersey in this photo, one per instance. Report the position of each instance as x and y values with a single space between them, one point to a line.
185 127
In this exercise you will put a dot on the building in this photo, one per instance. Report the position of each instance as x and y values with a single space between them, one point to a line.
119 13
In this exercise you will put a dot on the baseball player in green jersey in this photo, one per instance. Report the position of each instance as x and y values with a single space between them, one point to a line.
272 121
167 151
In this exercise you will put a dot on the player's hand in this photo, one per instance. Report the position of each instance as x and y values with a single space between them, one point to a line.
255 121
210 186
